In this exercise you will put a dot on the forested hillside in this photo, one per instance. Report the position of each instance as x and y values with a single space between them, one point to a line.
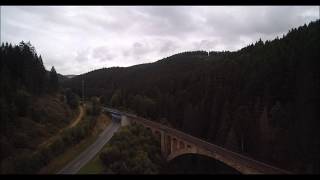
261 100
32 105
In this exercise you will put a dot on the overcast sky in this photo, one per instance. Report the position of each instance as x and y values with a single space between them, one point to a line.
79 39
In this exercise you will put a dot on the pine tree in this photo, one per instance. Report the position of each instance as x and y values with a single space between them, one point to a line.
53 79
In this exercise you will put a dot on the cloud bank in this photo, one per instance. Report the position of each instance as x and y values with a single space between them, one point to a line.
77 39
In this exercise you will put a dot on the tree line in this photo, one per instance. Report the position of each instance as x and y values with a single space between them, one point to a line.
33 107
260 100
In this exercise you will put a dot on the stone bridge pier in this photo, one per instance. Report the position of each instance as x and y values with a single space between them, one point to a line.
171 145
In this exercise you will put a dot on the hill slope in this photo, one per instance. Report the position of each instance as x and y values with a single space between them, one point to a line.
261 100
31 107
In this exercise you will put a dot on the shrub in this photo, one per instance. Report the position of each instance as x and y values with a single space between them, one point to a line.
22 102
72 99
133 150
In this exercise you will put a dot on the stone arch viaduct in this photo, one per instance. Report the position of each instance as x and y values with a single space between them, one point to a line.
175 143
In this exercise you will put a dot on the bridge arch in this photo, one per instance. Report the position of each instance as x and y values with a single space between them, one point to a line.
175 143
181 152
195 151
199 161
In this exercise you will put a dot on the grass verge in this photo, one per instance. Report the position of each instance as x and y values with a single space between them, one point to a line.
63 159
94 166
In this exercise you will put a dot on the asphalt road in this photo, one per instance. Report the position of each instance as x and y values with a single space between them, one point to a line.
75 165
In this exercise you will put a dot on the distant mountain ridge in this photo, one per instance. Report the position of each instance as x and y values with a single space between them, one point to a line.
260 100
64 77
70 76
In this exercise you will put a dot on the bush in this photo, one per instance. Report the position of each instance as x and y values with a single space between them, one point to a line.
110 155
22 102
133 150
72 99
57 146
45 155
95 108
20 140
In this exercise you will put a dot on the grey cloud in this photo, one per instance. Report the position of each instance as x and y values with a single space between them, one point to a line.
168 46
168 21
205 44
77 38
137 49
250 21
82 55
103 53
126 53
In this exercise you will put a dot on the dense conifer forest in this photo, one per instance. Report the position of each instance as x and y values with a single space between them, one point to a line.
262 100
33 108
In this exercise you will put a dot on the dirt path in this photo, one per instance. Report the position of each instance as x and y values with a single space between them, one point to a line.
75 122
62 160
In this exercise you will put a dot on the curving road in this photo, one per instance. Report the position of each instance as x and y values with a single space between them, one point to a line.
75 165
